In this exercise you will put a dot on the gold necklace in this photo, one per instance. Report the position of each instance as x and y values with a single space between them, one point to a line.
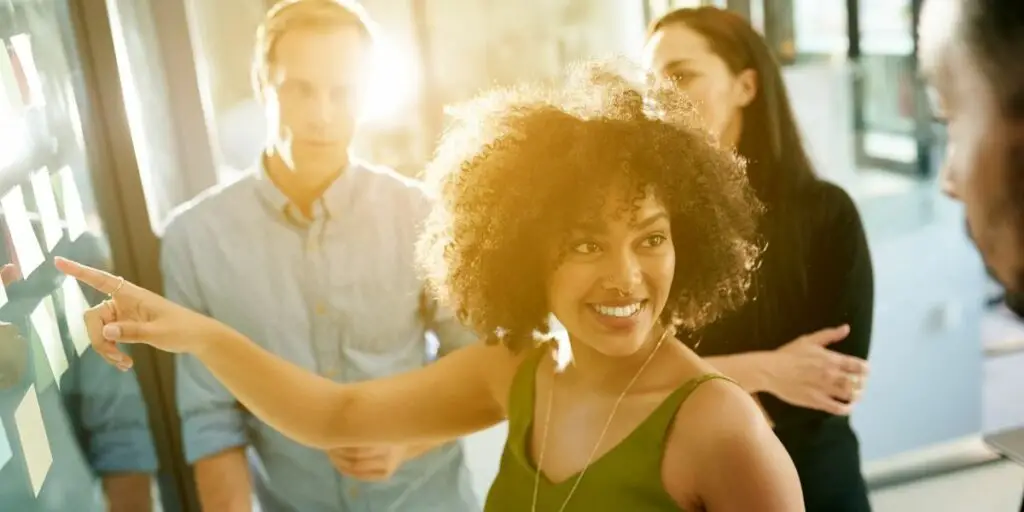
600 438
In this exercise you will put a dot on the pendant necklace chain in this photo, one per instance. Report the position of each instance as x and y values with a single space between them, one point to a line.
600 438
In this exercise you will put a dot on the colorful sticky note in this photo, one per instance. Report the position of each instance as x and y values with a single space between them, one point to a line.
44 323
26 245
73 211
75 305
28 419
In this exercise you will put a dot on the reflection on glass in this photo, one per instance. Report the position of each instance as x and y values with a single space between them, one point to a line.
13 137
74 311
44 321
28 419
42 189
26 246
5 447
73 421
73 210
9 99
21 45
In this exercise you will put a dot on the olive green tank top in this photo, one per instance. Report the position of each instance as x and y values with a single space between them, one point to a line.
626 478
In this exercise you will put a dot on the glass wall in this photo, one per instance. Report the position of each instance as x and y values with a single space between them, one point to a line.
74 432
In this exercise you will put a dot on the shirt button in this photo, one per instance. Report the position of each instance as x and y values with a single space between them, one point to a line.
320 309
353 491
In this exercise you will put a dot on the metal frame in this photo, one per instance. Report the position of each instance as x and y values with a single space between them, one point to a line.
134 246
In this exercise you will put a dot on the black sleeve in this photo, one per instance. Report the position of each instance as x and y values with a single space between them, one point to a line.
843 279
840 288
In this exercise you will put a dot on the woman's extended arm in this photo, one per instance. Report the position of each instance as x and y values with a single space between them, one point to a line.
461 393
447 399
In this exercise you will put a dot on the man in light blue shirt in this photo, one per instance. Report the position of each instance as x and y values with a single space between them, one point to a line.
331 243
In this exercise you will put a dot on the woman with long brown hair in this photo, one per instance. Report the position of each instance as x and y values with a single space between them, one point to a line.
801 343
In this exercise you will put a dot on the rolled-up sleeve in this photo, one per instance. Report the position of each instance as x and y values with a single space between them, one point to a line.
212 421
115 419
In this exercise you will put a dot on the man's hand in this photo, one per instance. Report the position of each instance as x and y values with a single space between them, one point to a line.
368 463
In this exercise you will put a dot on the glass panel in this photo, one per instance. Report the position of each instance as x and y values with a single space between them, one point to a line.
820 27
145 90
891 90
67 420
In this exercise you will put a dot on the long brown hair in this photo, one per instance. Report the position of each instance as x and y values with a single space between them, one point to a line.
770 140
778 167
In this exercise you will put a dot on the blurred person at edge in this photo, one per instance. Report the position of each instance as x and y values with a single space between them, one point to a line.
333 240
802 345
970 53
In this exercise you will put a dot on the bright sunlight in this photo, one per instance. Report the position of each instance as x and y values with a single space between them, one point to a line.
392 83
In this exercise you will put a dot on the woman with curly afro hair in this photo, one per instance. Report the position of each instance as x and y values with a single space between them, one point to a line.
596 203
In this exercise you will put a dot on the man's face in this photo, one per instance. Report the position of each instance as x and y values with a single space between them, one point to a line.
313 94
980 153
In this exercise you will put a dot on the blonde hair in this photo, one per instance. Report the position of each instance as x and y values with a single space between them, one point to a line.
288 15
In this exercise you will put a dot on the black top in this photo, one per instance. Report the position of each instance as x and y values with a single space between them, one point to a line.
815 273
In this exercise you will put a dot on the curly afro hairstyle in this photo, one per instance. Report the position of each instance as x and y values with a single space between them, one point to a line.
520 167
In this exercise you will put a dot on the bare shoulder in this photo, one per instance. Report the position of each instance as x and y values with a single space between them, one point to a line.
720 407
721 431
495 365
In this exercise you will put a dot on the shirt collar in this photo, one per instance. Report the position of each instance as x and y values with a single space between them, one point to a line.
330 203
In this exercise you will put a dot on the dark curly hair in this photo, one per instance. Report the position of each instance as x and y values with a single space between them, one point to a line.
519 167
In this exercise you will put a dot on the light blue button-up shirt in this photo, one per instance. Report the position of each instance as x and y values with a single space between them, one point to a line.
338 295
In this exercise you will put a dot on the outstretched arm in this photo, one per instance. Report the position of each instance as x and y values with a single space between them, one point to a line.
444 400
459 394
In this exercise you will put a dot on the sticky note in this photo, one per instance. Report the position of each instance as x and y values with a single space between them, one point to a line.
75 305
74 117
9 91
46 203
28 419
44 323
26 245
73 211
22 44
5 447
